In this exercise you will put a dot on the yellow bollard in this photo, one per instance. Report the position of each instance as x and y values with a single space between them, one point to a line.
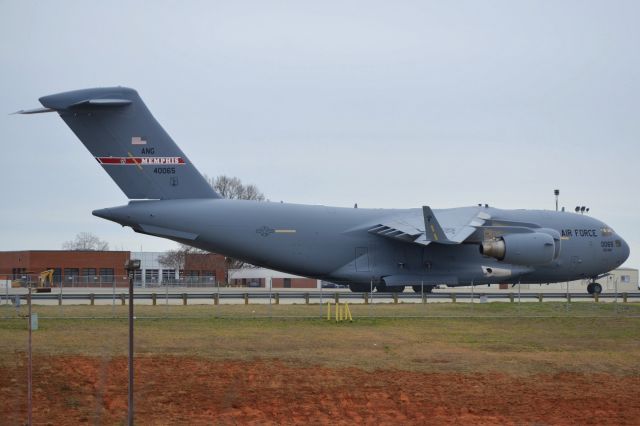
347 313
328 311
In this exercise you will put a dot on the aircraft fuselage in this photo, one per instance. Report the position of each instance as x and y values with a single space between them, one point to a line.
334 243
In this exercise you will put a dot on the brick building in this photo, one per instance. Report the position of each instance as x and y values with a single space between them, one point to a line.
88 268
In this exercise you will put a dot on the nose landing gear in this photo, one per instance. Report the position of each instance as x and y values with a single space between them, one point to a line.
594 288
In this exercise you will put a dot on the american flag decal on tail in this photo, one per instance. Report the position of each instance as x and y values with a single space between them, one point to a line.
137 140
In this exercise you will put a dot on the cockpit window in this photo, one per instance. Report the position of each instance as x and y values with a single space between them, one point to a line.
606 231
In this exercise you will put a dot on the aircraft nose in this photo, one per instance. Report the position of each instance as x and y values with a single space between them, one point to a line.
624 251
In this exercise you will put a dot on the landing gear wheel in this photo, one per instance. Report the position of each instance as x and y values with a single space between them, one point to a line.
383 288
590 288
597 288
418 288
360 288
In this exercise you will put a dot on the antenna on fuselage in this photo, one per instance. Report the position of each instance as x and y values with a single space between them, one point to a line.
556 192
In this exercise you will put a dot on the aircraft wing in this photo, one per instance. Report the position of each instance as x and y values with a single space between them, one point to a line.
446 226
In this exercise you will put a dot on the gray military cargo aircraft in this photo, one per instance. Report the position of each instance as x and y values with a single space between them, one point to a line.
383 248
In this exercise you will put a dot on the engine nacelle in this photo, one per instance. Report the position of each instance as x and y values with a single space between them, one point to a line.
534 248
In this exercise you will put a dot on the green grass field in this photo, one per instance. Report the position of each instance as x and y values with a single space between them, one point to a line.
525 339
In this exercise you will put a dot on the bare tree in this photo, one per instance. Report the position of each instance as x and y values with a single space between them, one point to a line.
232 188
173 259
86 241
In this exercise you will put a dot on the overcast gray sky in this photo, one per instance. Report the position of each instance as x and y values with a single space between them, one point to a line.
387 104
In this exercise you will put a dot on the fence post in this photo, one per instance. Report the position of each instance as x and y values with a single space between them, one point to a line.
184 299
246 298
60 299
366 298
453 298
624 297
277 295
92 298
568 297
337 297
122 298
596 297
215 298
539 297
395 297
511 297
306 298
153 299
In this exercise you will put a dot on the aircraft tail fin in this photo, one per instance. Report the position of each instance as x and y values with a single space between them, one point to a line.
127 141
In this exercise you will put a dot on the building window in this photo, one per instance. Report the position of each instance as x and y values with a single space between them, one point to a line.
625 278
209 276
168 275
151 276
106 275
89 275
287 283
71 275
192 276
137 275
17 273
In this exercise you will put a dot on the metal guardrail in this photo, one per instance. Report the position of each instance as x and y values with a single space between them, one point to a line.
316 296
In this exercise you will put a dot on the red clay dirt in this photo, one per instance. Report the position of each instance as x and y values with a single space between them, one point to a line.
180 390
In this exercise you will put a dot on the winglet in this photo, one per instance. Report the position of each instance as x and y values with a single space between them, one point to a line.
432 229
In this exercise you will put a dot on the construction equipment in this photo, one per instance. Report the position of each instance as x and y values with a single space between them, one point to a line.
45 281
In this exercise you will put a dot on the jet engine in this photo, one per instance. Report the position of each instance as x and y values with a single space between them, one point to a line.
535 248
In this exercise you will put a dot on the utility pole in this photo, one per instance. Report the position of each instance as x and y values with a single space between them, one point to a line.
131 266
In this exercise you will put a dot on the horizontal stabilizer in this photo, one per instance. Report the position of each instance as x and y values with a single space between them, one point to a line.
102 102
34 111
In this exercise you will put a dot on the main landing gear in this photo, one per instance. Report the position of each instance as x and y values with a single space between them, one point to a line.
594 288
418 288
